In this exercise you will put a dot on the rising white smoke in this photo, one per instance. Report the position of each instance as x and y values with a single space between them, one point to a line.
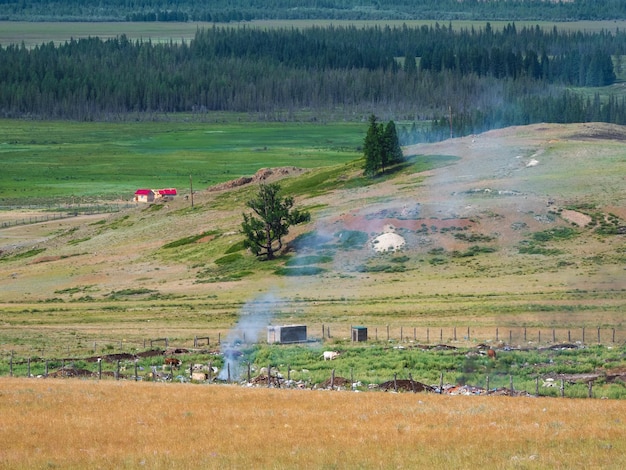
255 316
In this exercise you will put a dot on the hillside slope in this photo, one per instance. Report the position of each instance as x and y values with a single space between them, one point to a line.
534 209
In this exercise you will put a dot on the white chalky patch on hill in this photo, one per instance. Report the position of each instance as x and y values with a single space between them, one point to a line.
388 242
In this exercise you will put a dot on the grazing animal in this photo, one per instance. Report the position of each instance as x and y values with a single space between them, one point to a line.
173 362
491 353
330 355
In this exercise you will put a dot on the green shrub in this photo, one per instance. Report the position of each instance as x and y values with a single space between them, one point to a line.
229 259
300 271
235 247
308 260
188 240
558 233
26 254
351 239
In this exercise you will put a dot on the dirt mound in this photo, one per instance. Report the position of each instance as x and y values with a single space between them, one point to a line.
405 386
337 382
262 175
113 357
150 353
68 372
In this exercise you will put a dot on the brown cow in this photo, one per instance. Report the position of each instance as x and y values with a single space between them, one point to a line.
491 353
172 362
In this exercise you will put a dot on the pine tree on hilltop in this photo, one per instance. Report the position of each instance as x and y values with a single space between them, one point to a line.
381 147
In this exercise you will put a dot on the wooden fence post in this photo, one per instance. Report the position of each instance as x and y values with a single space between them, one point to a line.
511 383
591 389
136 374
583 335
412 383
228 373
99 368
401 335
510 336
468 333
332 379
599 336
562 388
487 385
569 336
427 335
117 372
537 386
454 334
269 374
29 367
613 340
497 334
11 365
553 336
441 383
524 334
395 382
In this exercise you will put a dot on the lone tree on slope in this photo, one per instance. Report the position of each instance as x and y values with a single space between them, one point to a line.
274 215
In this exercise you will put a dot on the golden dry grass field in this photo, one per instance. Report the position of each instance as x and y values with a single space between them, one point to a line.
86 424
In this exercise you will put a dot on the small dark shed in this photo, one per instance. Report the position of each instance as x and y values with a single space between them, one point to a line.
359 333
286 334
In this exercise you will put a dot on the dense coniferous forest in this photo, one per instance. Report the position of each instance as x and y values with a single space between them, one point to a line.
245 10
401 73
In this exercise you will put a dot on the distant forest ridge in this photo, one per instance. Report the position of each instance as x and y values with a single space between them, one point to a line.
485 78
247 10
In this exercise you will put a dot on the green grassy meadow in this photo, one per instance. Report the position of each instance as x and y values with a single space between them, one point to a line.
61 160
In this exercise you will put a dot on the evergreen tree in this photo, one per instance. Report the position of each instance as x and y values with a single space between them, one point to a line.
392 151
373 148
381 147
276 214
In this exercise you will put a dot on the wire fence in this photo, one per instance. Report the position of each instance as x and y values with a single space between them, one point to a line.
165 359
58 212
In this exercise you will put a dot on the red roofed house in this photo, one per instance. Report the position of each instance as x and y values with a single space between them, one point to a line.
167 194
144 195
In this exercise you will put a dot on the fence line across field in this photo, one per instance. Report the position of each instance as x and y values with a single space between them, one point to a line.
465 336
275 380
64 213
507 335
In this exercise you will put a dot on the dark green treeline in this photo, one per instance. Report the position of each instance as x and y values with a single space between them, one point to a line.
245 10
485 78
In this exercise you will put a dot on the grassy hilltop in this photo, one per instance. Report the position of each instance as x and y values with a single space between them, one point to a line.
493 224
